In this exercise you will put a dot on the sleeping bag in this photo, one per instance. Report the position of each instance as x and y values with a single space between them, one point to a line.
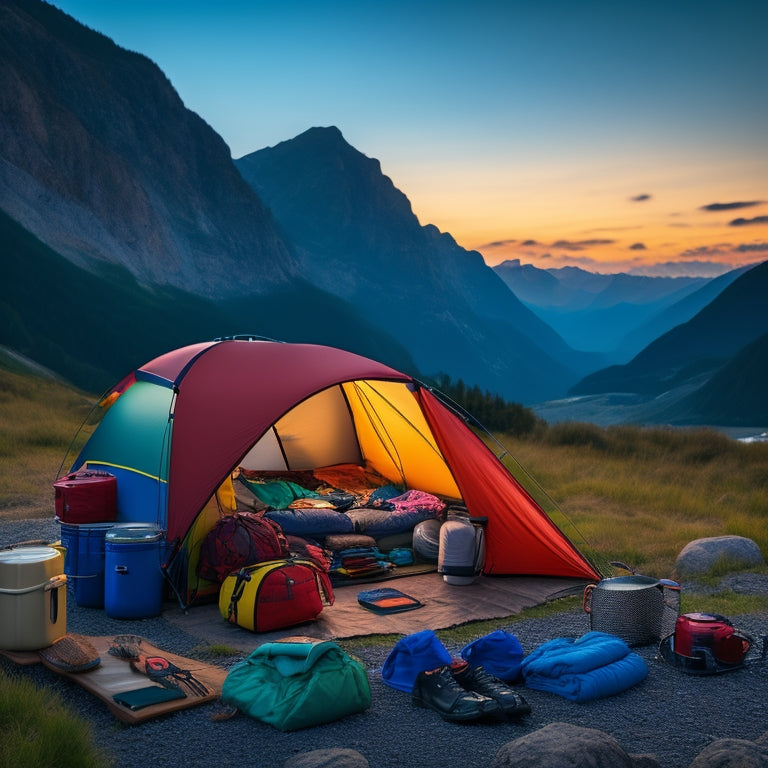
593 666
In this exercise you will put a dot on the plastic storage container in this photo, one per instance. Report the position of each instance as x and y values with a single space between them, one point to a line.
84 561
462 549
33 598
86 497
133 580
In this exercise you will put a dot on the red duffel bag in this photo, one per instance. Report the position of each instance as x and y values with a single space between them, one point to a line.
87 496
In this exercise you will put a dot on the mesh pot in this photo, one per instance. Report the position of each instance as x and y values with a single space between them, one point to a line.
638 609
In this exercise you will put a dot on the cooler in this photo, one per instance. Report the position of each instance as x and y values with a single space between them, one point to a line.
133 580
86 497
84 562
33 598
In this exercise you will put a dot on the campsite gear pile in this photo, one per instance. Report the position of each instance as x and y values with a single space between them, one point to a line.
706 644
638 609
275 594
298 683
33 597
320 407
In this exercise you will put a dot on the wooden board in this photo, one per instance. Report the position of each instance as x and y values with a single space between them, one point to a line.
115 675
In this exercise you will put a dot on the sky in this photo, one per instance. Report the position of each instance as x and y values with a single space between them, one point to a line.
613 136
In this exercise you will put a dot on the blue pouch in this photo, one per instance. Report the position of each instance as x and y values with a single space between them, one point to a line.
498 653
412 654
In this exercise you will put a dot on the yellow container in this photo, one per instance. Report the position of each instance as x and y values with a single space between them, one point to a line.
33 598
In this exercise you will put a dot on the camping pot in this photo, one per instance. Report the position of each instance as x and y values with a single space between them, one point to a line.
638 609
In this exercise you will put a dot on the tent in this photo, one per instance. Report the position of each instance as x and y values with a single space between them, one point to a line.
175 429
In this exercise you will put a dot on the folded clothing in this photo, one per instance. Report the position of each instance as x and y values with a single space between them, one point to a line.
593 666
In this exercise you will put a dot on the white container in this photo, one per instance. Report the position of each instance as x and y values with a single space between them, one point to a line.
462 550
33 598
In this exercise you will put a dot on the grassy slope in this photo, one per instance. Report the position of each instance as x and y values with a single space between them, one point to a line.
39 417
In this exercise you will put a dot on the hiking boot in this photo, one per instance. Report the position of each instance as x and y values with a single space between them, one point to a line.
436 689
478 680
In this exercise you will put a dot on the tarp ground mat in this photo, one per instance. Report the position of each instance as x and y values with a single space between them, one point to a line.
444 606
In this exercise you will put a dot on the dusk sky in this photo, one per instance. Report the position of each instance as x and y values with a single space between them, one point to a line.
614 136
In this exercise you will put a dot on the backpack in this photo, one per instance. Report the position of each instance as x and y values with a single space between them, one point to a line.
238 540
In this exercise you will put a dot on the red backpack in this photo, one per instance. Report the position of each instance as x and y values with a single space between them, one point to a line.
237 541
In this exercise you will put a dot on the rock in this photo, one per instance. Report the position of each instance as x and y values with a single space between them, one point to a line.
733 753
327 758
562 745
699 557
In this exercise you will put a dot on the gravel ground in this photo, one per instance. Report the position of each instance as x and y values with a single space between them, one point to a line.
670 714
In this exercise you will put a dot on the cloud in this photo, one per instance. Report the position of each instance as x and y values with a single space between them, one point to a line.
751 247
530 242
580 245
747 222
640 198
637 247
707 251
498 243
731 206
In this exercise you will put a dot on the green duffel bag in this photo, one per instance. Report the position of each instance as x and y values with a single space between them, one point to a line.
297 683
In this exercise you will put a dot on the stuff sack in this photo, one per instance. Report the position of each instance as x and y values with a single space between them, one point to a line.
275 594
238 540
298 683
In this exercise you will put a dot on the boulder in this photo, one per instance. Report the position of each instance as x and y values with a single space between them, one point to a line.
327 758
733 753
562 745
699 557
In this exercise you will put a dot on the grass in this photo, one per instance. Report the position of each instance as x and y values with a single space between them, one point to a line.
38 420
640 495
34 724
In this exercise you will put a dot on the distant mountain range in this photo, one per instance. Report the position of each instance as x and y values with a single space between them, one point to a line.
127 229
614 315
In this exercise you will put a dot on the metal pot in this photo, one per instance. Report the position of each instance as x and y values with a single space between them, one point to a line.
638 609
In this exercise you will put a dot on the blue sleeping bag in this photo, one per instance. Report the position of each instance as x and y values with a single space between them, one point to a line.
590 667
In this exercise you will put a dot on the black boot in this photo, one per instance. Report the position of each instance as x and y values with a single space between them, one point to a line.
478 680
437 689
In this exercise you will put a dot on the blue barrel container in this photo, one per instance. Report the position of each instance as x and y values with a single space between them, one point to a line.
84 561
133 579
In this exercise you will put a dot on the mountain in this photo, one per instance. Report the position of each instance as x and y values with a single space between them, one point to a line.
735 395
92 331
695 350
101 162
615 315
358 237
